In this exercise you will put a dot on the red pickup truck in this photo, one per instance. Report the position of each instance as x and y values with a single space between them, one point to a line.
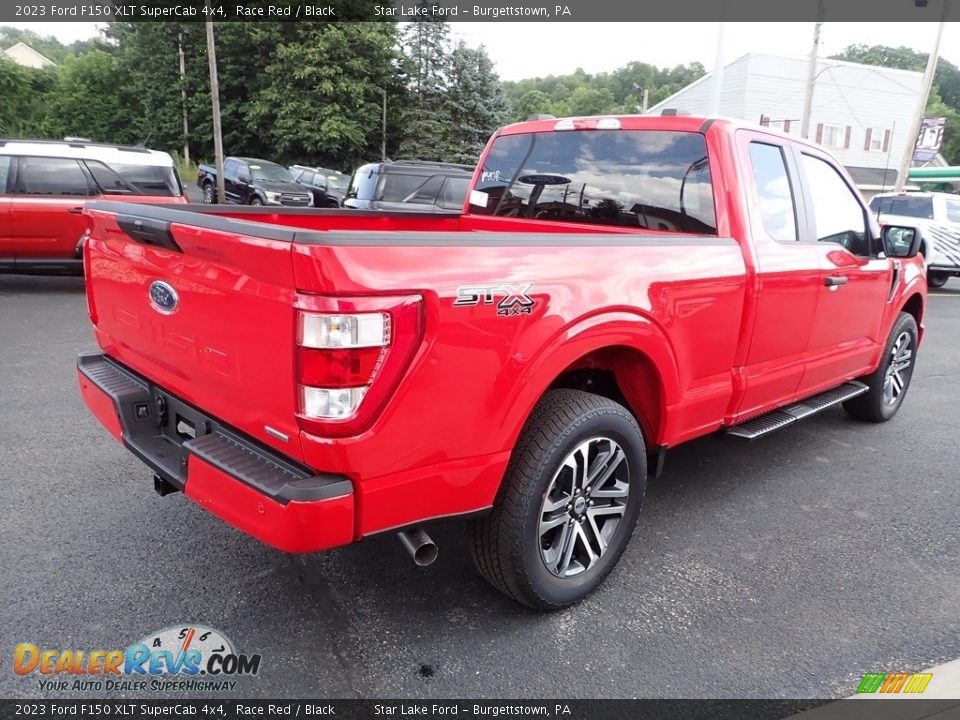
614 287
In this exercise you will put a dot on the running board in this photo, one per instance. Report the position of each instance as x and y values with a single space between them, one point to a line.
781 417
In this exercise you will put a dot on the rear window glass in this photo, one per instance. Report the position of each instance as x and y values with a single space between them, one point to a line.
129 179
453 193
402 188
918 207
4 172
635 178
54 176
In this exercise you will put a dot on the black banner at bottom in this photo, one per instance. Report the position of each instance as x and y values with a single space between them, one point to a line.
853 709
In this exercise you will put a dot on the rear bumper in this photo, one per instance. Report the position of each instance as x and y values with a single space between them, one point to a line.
242 482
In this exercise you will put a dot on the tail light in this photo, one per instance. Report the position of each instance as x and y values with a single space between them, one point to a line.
351 354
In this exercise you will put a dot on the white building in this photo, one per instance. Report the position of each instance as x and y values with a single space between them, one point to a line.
23 54
861 113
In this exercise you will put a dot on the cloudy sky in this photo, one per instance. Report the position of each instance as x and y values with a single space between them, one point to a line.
526 49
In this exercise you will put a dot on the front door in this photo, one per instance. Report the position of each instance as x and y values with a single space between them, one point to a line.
854 288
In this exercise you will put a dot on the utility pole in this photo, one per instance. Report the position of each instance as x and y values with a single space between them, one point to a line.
183 99
383 135
716 82
811 73
215 100
914 130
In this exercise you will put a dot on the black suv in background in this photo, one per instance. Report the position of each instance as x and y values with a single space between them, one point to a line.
327 186
410 186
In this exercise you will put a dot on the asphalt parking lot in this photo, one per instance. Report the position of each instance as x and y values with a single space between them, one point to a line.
784 568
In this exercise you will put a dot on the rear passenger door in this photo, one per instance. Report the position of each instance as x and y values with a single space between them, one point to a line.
788 274
6 243
855 285
46 219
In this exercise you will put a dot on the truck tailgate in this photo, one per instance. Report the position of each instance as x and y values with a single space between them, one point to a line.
207 314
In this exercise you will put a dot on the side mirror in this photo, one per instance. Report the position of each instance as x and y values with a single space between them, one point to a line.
900 242
245 178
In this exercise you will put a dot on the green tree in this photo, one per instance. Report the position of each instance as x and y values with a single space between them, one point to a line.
91 99
475 105
425 44
24 93
322 100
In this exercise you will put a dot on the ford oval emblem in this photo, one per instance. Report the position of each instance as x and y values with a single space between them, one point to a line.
163 297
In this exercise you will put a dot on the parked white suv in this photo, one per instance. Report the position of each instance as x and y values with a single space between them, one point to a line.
937 215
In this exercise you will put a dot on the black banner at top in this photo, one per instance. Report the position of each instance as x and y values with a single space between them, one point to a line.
858 11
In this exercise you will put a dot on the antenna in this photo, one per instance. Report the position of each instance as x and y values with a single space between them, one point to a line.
886 167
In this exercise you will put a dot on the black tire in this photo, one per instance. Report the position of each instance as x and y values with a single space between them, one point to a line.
209 194
877 405
509 545
937 279
255 200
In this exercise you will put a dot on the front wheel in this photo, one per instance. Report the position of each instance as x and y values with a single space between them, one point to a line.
569 502
888 384
256 201
937 279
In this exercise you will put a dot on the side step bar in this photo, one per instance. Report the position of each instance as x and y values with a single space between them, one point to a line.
781 417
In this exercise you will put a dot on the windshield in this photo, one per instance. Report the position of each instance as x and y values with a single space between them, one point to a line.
269 171
906 205
634 178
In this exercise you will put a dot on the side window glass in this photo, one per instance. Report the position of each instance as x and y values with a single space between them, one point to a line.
774 194
838 215
5 161
230 169
54 176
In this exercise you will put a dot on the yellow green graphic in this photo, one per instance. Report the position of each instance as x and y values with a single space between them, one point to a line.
896 682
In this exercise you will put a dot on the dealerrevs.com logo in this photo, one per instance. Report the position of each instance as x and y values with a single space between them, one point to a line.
178 658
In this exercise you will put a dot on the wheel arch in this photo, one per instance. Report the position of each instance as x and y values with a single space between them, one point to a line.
625 358
914 306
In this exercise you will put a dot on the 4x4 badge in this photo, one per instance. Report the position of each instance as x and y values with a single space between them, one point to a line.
514 299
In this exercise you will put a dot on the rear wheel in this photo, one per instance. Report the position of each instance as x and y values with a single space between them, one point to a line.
569 503
937 279
890 381
209 196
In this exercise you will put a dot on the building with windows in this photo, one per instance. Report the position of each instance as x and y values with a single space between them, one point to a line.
861 113
23 54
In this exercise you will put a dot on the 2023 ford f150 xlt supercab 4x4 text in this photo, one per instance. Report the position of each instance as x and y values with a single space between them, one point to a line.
614 287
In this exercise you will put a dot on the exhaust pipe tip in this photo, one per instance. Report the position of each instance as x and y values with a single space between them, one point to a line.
419 545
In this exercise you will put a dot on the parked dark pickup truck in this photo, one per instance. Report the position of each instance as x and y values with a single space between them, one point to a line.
249 181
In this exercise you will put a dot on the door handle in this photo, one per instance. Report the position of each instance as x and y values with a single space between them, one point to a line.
833 281
75 211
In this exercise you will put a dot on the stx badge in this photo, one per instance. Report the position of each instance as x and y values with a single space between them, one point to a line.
514 299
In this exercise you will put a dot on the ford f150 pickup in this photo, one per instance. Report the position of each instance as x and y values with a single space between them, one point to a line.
615 286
